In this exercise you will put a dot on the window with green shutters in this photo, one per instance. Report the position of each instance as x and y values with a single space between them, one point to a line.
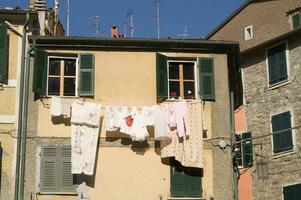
185 181
244 155
292 192
180 77
55 174
63 76
277 65
3 52
282 138
296 20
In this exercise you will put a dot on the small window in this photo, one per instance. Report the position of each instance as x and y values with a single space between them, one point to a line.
282 133
55 175
292 192
185 181
181 79
296 20
62 76
277 64
248 33
244 150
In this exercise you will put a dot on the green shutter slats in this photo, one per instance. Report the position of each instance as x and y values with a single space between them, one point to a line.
292 192
86 75
247 150
277 64
3 52
206 79
162 82
185 181
40 71
49 170
296 20
282 141
66 177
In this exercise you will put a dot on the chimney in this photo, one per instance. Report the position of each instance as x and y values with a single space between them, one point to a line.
114 31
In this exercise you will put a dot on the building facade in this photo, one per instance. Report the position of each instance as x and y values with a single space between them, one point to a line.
129 72
269 37
15 25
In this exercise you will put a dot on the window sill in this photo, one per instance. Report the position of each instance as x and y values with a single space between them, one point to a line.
277 85
186 198
58 193
284 153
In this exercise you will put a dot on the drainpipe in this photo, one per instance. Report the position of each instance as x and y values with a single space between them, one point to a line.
20 113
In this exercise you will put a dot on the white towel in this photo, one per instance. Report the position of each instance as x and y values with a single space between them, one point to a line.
86 113
60 106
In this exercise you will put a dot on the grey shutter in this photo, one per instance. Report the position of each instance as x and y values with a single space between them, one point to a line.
65 175
49 170
40 71
296 20
247 149
282 141
161 71
3 52
86 75
206 79
292 192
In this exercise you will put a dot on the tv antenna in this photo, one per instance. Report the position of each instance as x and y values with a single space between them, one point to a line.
158 17
95 22
183 35
68 16
129 14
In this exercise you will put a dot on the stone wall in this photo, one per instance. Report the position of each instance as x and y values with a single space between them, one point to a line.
262 102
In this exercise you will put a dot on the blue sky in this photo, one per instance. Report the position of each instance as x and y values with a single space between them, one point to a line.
199 16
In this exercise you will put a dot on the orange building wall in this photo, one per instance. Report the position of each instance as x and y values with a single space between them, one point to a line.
245 179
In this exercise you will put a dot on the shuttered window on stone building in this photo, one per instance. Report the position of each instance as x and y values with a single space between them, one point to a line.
185 181
296 20
292 192
282 141
277 64
3 52
55 170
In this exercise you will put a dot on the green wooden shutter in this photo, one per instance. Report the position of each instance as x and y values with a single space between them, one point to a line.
247 149
282 141
206 79
162 82
277 64
86 75
49 170
40 71
292 192
296 20
65 175
3 52
185 181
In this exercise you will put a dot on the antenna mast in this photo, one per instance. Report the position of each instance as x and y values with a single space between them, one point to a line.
158 17
95 22
129 13
68 16
183 35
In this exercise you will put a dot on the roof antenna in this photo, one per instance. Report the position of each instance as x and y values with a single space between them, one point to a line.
129 13
95 21
158 17
183 35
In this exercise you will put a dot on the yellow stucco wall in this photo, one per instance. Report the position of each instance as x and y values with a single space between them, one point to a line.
128 78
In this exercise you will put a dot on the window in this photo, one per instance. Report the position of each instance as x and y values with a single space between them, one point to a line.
248 33
58 75
3 52
62 76
185 181
188 78
55 174
181 79
244 150
282 140
292 192
296 20
277 64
